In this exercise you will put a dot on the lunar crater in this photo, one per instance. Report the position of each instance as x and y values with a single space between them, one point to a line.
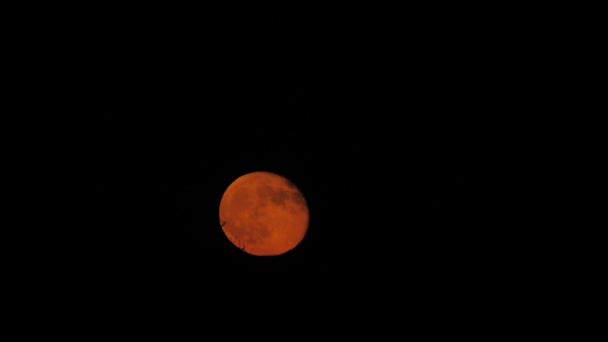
298 199
281 197
290 184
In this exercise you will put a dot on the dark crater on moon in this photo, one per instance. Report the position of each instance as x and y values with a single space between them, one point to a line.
276 196
290 184
298 199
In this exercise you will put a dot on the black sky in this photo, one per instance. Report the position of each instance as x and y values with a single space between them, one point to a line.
393 142
390 168
406 135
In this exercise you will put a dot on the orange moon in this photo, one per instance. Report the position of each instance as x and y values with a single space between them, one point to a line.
264 214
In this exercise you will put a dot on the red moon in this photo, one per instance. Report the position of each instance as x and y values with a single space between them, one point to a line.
264 214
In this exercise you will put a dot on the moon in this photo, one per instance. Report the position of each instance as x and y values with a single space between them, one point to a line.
264 214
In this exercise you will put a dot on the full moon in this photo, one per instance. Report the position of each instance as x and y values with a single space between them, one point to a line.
264 214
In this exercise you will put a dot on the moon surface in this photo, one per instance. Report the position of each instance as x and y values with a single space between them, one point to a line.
264 214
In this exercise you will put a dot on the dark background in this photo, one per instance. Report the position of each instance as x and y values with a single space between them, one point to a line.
393 155
409 137
400 140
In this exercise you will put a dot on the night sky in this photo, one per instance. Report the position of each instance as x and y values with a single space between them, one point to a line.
395 151
407 137
392 179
